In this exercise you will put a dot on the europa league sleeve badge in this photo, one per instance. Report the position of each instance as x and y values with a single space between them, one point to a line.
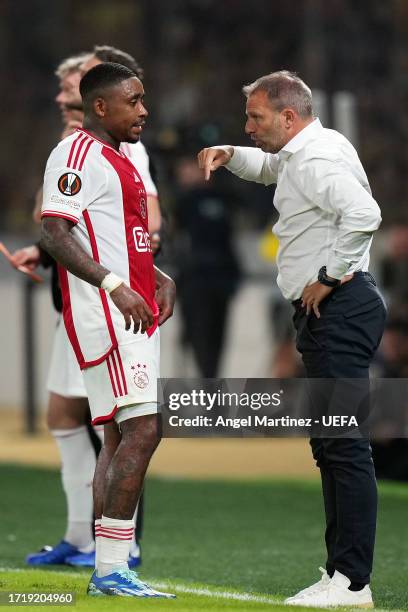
69 184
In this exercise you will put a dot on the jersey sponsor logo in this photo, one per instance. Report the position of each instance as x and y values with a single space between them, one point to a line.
140 377
69 184
142 240
143 208
56 199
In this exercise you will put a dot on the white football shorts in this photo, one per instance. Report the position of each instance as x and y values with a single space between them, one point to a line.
64 374
124 385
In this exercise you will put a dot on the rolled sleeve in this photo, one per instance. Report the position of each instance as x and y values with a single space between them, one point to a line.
253 164
333 187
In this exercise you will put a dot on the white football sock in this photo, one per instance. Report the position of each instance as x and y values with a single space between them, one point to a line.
134 547
97 541
113 537
78 468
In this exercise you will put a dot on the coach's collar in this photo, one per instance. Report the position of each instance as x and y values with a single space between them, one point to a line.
301 139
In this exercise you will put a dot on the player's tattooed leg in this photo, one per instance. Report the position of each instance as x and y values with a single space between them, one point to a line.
112 438
125 474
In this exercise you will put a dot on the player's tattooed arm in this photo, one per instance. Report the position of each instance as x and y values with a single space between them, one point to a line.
165 295
57 240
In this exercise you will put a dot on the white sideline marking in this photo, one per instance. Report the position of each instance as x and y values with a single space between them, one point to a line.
182 588
179 588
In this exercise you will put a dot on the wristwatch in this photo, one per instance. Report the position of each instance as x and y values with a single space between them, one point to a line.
324 280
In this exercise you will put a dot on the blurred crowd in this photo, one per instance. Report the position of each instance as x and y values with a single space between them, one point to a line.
197 54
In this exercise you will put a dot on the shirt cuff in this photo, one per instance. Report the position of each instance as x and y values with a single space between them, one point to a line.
237 161
336 267
62 215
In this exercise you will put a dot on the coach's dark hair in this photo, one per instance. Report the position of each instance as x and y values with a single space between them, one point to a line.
95 82
284 90
105 53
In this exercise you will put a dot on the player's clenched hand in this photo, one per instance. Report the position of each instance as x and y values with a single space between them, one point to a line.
165 298
28 256
211 159
133 307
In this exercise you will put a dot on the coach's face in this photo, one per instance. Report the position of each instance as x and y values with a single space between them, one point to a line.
267 127
124 113
69 99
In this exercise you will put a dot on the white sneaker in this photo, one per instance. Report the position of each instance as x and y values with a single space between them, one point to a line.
334 594
313 588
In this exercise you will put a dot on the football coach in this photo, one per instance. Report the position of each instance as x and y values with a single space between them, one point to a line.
327 217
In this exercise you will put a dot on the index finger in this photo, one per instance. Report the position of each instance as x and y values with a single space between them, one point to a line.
207 170
201 158
205 161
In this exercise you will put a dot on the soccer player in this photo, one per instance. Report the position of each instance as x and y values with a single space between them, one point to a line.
136 152
327 217
68 407
95 225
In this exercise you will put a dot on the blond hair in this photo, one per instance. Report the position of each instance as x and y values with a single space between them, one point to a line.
71 64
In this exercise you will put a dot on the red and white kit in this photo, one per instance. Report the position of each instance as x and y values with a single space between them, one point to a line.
101 192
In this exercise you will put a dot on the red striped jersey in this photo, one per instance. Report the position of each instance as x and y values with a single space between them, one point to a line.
137 154
102 193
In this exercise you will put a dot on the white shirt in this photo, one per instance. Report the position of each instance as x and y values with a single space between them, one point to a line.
327 214
101 191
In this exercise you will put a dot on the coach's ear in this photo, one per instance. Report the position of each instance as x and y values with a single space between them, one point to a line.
99 107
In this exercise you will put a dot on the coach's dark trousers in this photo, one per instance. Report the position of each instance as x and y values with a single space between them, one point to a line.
341 344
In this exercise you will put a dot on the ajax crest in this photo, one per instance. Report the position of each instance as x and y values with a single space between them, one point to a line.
140 377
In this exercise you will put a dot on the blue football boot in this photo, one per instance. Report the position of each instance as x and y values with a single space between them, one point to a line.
82 559
123 583
53 556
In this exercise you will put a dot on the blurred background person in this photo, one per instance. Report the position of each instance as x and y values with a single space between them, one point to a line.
390 446
208 268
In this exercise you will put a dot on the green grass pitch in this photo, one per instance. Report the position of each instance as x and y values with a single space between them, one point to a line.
218 545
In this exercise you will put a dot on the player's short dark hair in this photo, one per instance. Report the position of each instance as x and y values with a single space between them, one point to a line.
100 78
105 53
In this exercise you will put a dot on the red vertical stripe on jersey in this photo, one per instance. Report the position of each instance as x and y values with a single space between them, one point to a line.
81 163
78 152
141 271
76 141
67 313
102 293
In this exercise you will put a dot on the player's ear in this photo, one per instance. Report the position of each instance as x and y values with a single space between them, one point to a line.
99 107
